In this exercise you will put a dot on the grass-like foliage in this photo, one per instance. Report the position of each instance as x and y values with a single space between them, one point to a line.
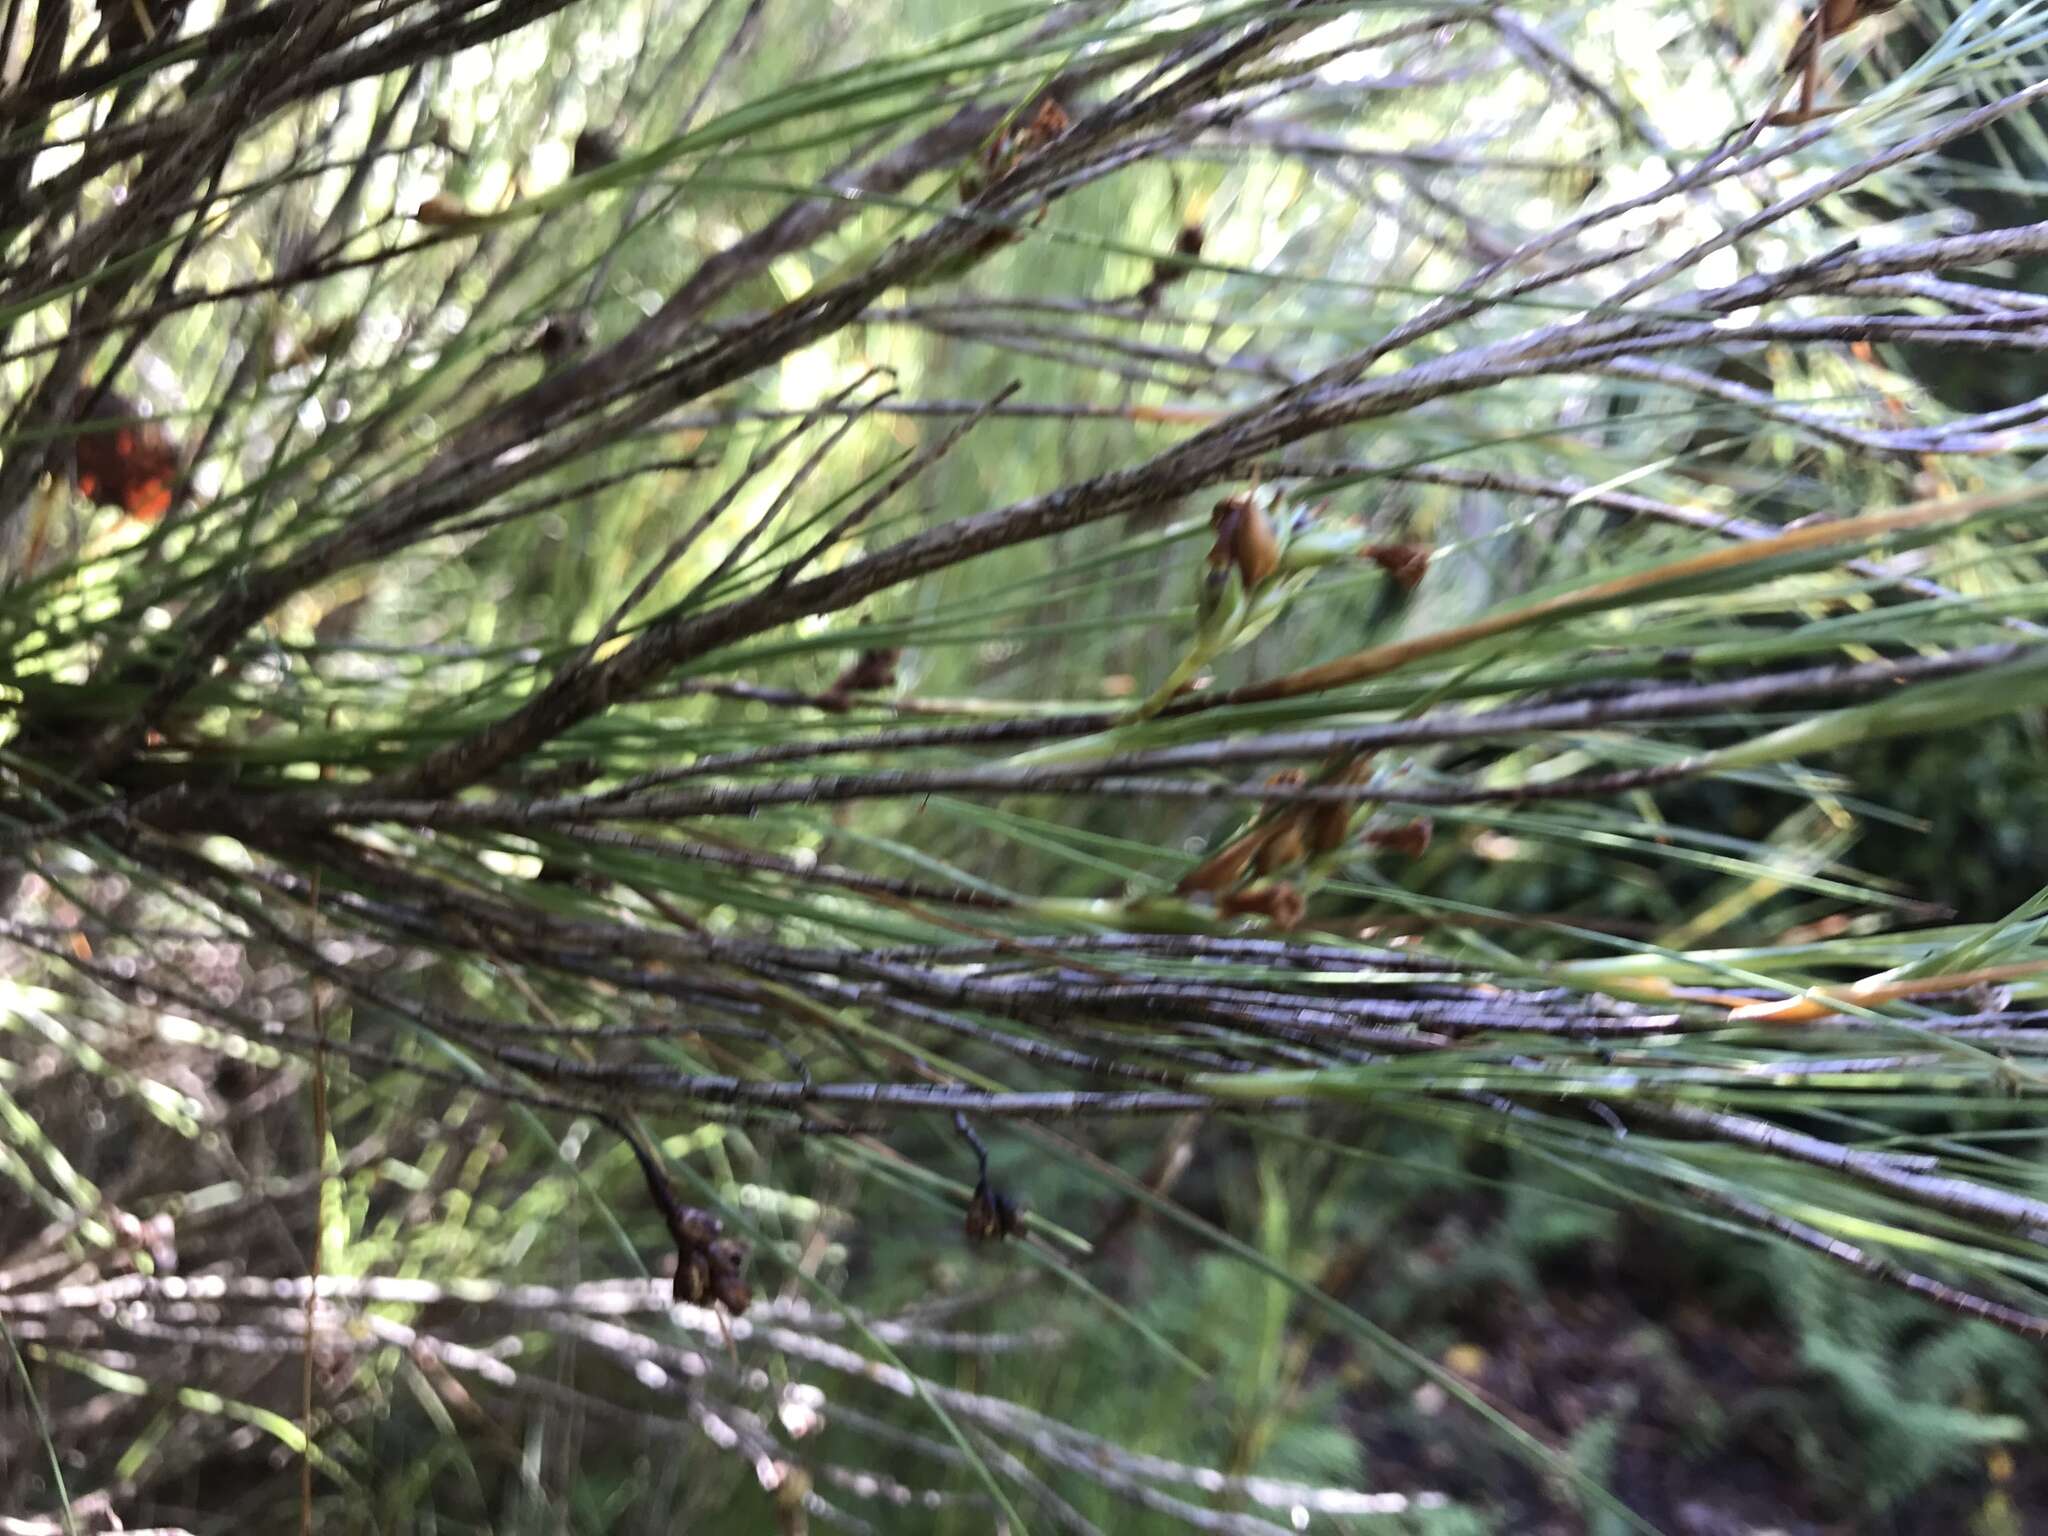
654 655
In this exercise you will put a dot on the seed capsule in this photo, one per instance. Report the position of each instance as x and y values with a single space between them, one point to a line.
1279 904
1244 538
1330 822
991 1214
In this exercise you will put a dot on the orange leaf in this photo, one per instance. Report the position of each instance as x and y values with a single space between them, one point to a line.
124 462
1875 990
